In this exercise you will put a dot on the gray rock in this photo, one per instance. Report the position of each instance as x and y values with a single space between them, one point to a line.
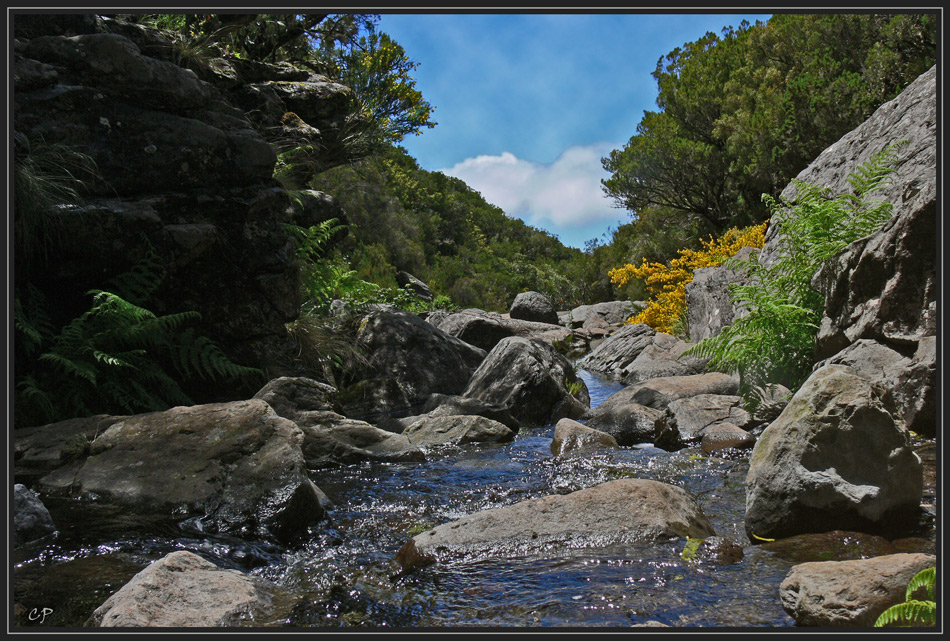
330 438
834 459
533 306
910 381
910 116
238 467
455 430
31 519
419 288
632 414
571 436
485 329
709 305
184 590
625 510
613 312
627 421
415 356
530 379
687 420
38 451
849 593
291 397
636 353
443 405
882 287
722 436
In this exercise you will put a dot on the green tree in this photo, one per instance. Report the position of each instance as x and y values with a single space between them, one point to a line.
742 114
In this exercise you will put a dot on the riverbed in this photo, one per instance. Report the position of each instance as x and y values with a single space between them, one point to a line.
344 574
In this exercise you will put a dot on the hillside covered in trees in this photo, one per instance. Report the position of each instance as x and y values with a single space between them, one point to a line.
737 116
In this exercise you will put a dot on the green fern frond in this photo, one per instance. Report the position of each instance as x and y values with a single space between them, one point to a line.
924 579
909 613
774 341
196 355
139 283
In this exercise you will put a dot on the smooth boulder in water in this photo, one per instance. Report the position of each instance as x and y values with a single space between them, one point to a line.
621 511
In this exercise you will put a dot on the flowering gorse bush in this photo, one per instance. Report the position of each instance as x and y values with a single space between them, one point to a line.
667 283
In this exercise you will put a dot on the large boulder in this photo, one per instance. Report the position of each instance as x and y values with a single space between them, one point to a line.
909 381
709 305
533 306
849 593
911 187
184 590
629 422
571 436
687 420
529 378
637 352
414 356
882 287
329 439
457 430
485 329
834 459
38 451
293 396
238 468
31 519
626 510
611 312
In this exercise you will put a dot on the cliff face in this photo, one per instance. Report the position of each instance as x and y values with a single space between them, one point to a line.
186 158
880 313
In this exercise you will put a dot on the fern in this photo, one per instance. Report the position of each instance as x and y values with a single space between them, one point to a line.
913 611
774 341
117 357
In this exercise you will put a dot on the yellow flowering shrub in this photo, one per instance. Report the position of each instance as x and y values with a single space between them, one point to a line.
667 283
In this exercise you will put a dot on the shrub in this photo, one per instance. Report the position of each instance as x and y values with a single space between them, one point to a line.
667 282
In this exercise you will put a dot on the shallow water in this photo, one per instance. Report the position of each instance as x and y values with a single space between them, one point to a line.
344 574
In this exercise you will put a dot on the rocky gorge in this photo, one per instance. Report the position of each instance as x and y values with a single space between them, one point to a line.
541 467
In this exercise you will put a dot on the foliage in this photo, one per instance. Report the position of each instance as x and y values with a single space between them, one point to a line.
437 228
667 282
117 357
914 612
740 115
46 176
774 341
378 70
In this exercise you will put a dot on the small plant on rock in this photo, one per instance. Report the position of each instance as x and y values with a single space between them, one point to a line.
913 612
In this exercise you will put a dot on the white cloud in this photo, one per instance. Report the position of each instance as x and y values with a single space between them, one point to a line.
558 196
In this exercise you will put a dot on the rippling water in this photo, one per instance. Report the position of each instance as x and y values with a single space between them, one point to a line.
344 574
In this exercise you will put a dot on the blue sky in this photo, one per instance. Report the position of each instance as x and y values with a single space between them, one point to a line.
528 104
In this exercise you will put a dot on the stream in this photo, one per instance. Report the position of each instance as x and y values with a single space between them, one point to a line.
344 575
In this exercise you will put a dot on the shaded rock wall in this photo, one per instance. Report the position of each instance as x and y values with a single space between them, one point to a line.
185 161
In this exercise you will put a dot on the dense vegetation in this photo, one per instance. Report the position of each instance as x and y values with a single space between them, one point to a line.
742 114
404 218
738 116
